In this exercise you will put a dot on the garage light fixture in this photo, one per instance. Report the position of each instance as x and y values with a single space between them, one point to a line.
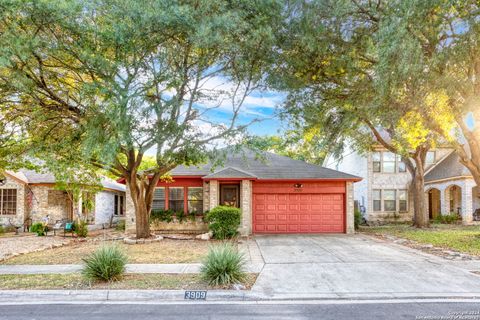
298 185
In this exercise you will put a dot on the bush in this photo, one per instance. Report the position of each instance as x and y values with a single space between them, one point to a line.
357 219
450 218
224 265
224 221
38 228
81 229
2 230
105 264
162 215
120 225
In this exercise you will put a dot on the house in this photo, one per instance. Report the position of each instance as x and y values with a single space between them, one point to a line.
275 193
27 195
384 193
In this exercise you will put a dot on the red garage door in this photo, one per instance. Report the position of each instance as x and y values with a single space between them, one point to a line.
301 210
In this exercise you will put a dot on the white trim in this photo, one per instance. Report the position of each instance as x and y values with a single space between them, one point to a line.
448 179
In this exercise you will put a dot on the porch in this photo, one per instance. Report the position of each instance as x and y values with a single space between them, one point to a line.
459 196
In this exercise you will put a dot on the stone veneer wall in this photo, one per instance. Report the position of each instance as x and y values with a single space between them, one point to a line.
246 207
47 200
22 210
213 194
129 212
350 219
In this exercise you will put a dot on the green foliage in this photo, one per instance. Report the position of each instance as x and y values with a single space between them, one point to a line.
224 265
2 230
120 225
162 216
357 219
180 216
224 221
38 228
105 264
81 229
450 218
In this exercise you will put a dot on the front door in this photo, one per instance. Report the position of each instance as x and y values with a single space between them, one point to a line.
229 194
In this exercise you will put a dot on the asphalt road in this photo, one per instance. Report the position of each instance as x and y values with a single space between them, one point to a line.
358 311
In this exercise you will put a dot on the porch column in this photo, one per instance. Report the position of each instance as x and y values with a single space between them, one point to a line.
446 203
443 202
129 212
350 206
213 193
467 202
246 206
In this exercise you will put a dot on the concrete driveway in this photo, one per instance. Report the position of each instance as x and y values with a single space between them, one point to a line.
357 266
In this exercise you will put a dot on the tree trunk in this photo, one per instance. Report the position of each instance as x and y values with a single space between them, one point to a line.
421 219
140 192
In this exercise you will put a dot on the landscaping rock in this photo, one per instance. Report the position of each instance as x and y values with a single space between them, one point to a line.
129 241
238 286
205 236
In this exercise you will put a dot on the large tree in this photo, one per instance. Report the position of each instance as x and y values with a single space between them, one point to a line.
120 78
437 43
333 72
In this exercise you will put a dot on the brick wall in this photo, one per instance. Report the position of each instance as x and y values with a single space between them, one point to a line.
246 206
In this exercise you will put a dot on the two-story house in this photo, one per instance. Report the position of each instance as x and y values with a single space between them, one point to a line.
383 194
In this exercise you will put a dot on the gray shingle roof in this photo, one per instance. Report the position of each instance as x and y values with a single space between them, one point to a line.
263 165
449 167
230 172
32 176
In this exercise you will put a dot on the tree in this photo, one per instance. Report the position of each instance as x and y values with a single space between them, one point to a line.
333 73
121 78
291 144
443 53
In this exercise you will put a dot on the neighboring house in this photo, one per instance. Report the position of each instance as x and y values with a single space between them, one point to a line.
275 193
26 195
383 194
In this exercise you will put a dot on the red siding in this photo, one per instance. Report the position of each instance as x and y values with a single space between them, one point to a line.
180 182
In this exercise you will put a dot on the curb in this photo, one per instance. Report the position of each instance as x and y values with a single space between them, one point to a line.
159 296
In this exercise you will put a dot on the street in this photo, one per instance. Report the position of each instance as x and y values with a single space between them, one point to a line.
312 310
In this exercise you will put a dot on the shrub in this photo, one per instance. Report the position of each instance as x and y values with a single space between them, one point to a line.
357 219
180 216
450 218
120 225
38 228
224 265
105 264
2 230
81 229
161 215
223 221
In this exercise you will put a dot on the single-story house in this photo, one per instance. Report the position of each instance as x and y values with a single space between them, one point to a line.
276 194
29 196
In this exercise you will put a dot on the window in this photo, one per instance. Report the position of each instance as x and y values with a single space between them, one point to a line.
430 158
8 201
377 161
401 165
388 162
377 200
118 206
195 199
158 199
402 200
389 200
175 199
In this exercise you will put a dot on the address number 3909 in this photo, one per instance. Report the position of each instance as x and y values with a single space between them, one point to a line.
195 295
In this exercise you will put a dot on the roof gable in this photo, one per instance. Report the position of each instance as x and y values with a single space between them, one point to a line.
230 172
449 167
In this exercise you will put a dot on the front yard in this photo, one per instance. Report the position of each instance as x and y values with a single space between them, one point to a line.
74 281
465 239
165 251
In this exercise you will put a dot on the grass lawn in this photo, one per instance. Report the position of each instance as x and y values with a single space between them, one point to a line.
465 239
129 281
165 251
